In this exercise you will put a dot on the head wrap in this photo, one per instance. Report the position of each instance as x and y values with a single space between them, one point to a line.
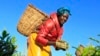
63 10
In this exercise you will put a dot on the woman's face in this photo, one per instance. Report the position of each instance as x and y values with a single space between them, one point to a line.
63 18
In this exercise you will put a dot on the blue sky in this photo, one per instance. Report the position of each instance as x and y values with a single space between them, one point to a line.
84 22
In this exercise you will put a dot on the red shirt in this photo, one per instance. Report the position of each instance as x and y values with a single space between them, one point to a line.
50 30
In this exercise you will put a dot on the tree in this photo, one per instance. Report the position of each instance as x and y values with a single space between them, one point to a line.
89 50
7 44
68 54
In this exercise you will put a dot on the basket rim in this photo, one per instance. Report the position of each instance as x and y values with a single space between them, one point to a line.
30 5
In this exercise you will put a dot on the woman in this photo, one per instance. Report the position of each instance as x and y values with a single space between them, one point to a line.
49 32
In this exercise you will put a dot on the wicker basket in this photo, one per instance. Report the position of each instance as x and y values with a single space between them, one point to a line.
30 20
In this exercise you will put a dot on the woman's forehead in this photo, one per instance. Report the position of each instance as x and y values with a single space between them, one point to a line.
65 14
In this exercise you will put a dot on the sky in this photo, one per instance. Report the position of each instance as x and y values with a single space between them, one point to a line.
82 24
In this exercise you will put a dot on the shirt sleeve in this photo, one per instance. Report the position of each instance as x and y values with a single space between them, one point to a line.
43 31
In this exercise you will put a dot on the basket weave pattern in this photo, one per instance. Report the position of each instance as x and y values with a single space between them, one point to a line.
30 20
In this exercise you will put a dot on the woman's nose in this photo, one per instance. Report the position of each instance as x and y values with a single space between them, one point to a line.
65 18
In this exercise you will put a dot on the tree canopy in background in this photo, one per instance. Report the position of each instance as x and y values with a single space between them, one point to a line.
7 44
89 50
